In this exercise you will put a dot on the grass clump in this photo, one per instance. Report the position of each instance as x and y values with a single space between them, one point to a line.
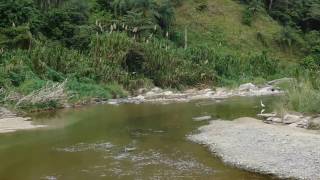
302 97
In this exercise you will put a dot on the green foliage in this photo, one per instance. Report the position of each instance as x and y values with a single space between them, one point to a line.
289 38
16 37
30 85
49 105
248 15
202 5
303 14
312 39
81 90
67 25
18 12
140 18
168 68
105 46
14 68
302 97
254 6
234 68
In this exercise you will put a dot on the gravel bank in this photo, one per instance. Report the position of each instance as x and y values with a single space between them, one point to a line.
158 95
253 145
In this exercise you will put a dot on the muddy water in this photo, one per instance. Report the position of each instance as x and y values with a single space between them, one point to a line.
146 141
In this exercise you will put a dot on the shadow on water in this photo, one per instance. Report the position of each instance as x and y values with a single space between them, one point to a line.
146 141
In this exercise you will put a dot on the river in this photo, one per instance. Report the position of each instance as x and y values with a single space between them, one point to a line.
128 141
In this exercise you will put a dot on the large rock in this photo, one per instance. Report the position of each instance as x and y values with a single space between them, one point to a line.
290 118
314 123
247 87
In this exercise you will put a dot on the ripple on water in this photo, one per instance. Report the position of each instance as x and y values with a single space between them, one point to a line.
151 163
81 147
49 178
144 132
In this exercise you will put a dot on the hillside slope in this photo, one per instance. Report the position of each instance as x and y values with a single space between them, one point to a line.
220 25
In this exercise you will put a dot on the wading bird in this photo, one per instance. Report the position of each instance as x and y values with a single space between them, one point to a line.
263 106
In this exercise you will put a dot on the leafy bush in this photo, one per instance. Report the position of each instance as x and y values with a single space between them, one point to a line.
18 12
66 24
289 37
247 17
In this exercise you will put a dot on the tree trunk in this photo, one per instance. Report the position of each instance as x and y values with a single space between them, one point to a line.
185 38
270 4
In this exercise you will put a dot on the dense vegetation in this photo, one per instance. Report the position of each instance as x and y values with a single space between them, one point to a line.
300 33
103 48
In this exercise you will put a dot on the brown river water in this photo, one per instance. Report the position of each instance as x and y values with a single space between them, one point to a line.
129 141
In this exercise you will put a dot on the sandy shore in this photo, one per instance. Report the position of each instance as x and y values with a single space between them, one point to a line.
10 122
271 149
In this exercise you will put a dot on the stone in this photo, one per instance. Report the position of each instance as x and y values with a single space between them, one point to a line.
168 93
247 87
304 123
157 90
293 125
191 91
314 123
269 90
151 93
142 90
275 119
113 102
267 115
290 118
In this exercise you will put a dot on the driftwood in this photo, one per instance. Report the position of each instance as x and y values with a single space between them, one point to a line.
50 92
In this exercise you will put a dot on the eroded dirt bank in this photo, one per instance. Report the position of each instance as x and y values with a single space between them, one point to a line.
272 149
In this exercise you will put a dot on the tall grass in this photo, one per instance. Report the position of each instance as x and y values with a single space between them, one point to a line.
301 96
235 68
115 60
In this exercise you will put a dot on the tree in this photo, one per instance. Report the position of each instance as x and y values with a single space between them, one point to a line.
17 12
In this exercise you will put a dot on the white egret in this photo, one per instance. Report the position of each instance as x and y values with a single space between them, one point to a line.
263 106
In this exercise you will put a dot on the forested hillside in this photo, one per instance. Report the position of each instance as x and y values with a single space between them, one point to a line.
106 48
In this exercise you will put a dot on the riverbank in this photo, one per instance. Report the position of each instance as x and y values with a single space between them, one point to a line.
250 144
10 122
158 95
